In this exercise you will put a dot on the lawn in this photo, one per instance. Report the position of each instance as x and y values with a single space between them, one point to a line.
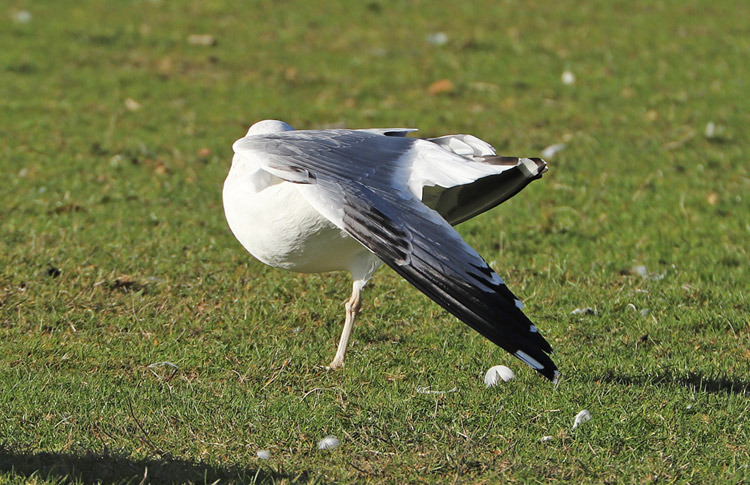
140 343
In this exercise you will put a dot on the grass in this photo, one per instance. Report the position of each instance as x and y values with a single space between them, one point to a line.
116 135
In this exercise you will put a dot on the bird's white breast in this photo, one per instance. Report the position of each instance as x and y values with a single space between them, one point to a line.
275 223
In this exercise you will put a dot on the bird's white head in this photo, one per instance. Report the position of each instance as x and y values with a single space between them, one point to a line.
268 126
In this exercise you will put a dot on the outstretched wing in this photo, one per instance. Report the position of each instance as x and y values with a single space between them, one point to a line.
359 181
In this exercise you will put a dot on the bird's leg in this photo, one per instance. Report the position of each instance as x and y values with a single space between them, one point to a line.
353 306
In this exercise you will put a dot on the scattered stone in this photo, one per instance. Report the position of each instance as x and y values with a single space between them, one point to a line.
441 87
201 39
22 17
132 105
438 38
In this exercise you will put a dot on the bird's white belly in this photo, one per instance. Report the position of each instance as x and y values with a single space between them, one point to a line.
280 228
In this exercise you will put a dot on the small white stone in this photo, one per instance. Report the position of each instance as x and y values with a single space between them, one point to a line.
201 39
22 17
132 105
328 443
438 38
568 78
581 418
497 372
640 270
264 454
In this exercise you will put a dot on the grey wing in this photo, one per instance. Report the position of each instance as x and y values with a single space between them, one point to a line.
357 180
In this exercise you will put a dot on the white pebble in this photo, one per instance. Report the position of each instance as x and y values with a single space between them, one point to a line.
328 443
22 17
640 270
552 150
581 418
264 454
438 38
201 39
568 78
498 372
132 105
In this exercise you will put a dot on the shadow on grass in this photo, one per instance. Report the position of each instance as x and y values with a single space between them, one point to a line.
694 380
94 468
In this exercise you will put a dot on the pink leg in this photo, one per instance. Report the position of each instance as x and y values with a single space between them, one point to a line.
353 306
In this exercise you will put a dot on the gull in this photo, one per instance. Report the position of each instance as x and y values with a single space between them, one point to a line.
314 201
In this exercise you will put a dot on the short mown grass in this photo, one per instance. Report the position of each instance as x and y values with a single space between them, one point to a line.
138 339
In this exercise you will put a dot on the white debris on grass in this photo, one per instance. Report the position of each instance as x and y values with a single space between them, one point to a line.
264 454
710 129
438 38
552 150
201 39
164 371
584 311
544 439
328 443
22 17
427 390
495 373
568 78
642 271
132 105
581 418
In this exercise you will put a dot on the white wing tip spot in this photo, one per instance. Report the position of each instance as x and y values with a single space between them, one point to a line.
529 360
519 305
533 329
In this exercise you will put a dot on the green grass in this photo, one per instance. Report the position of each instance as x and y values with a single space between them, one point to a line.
115 254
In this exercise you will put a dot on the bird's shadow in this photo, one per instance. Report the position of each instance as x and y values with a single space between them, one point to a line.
695 381
110 468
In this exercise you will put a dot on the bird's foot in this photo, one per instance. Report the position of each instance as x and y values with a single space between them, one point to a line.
336 364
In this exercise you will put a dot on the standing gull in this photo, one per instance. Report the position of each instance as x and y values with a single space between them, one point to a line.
329 200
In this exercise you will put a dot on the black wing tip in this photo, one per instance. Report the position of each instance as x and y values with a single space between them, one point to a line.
556 375
540 363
